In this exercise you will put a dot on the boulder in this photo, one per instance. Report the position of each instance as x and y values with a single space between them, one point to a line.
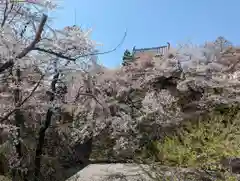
141 172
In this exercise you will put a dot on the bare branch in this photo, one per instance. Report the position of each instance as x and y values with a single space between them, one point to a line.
56 54
37 38
60 55
90 95
14 14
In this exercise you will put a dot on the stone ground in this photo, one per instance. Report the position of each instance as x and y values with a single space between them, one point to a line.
3 178
111 172
137 172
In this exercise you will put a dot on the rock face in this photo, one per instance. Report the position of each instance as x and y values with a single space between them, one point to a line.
233 164
111 172
134 172
3 178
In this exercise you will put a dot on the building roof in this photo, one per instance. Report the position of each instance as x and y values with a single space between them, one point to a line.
159 49
146 49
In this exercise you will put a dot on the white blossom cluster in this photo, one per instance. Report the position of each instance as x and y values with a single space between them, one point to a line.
194 73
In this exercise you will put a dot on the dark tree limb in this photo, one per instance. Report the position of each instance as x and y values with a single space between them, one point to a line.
5 15
42 131
40 144
6 65
19 121
60 55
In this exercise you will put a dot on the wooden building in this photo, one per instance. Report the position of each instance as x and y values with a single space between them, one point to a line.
153 52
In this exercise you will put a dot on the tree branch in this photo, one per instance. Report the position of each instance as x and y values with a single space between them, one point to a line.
24 100
89 95
36 39
60 55
30 47
55 53
5 14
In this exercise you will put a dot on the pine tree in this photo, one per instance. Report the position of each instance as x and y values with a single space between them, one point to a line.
127 57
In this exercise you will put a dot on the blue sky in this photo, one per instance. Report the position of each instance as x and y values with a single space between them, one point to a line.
151 23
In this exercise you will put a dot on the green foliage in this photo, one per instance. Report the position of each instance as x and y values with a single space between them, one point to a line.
202 144
127 57
127 54
4 178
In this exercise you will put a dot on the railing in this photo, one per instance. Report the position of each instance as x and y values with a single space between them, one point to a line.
161 50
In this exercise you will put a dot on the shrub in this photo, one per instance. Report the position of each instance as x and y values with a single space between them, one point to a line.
202 144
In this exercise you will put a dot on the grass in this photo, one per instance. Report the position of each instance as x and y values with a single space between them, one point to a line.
202 144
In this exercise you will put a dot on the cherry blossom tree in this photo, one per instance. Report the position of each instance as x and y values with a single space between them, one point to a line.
147 97
34 61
